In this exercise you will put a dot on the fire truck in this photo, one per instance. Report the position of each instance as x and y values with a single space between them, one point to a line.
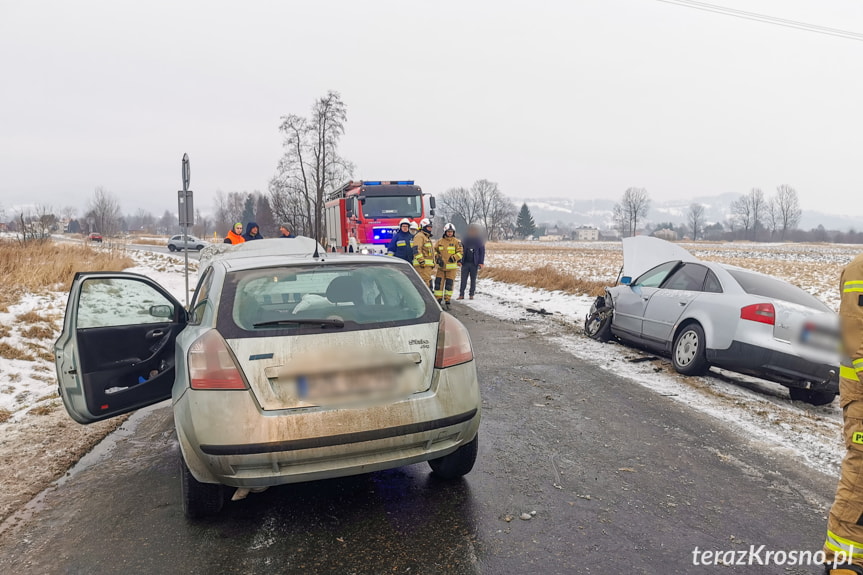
362 216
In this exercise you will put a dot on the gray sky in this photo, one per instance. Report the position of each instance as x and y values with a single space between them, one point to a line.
579 98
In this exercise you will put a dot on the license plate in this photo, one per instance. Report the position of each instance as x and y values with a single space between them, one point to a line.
819 338
347 386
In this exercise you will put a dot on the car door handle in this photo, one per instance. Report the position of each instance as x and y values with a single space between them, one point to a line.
682 303
155 334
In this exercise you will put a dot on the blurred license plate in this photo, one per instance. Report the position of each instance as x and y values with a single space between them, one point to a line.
361 384
820 338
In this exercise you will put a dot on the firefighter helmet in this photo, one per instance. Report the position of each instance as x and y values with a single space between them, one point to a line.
414 226
448 227
425 222
404 221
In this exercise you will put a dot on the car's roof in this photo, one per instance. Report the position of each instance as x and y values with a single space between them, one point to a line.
281 252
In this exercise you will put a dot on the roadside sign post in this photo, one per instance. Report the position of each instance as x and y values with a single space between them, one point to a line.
186 213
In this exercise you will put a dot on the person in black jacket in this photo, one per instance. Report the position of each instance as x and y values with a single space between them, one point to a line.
473 260
252 232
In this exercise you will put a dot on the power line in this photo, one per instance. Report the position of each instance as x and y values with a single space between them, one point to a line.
766 19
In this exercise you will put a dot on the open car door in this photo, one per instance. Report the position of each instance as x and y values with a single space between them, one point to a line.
116 351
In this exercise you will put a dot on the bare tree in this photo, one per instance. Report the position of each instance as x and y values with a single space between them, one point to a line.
459 202
695 218
632 208
105 210
311 166
787 208
771 218
750 211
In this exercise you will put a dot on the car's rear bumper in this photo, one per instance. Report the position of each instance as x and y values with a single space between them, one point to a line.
226 438
781 367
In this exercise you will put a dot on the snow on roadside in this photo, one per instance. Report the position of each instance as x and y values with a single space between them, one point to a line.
756 409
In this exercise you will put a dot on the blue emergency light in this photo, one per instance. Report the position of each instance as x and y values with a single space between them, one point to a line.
398 183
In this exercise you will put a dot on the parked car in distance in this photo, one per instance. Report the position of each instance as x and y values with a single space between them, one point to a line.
177 243
94 237
704 313
290 365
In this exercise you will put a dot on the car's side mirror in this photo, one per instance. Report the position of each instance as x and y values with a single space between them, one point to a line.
626 280
362 200
432 203
162 311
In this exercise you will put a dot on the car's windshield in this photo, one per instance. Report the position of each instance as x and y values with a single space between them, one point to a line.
359 296
757 284
392 207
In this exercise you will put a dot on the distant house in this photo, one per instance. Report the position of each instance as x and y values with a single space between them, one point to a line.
551 238
665 234
586 234
609 235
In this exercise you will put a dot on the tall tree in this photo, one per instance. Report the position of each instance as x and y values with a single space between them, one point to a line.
248 209
787 208
525 226
459 202
633 208
751 212
264 216
311 166
695 219
105 212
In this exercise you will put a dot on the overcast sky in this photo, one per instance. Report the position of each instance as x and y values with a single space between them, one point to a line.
578 98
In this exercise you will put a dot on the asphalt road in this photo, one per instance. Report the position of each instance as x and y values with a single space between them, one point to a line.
622 480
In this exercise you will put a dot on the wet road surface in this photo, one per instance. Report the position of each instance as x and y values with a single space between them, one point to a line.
622 480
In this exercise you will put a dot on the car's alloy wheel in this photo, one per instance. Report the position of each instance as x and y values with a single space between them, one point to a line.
689 354
199 499
171 248
598 323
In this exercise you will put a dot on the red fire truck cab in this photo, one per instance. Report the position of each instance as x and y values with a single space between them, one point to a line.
363 215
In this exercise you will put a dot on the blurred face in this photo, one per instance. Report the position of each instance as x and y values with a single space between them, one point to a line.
238 229
254 230
405 227
450 233
285 230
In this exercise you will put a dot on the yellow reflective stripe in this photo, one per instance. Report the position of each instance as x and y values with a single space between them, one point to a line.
850 548
428 244
450 249
429 262
848 373
858 363
401 243
854 283
452 266
853 290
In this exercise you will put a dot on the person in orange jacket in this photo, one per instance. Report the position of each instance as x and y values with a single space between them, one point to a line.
235 236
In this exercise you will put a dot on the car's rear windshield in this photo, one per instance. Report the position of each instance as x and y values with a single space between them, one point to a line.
353 296
761 285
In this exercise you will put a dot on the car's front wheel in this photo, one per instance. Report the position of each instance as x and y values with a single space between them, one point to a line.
199 499
199 247
812 396
598 323
458 463
172 248
689 354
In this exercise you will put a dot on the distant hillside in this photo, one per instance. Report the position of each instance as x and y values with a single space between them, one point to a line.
598 212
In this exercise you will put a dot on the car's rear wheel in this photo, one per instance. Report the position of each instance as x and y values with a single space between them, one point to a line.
598 323
688 354
172 248
199 499
458 463
199 247
811 396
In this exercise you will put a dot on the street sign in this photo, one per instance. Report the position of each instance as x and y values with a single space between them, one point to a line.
186 172
185 208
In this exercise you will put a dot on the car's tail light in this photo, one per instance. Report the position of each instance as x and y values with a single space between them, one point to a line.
211 364
453 343
760 312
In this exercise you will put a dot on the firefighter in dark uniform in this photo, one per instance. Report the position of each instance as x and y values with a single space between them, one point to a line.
844 542
400 245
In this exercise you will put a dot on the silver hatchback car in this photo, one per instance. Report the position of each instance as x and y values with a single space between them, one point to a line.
285 368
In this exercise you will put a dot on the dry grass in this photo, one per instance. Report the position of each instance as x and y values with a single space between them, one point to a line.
546 277
11 352
43 409
39 331
5 414
35 266
149 241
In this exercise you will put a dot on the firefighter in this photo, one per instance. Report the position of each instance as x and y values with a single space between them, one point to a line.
424 253
448 254
414 228
844 542
400 245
